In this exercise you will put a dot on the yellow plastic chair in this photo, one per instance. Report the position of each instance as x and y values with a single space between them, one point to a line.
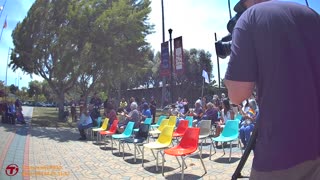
172 121
102 128
163 142
160 128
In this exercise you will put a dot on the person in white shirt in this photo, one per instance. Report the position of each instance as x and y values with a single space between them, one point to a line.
84 123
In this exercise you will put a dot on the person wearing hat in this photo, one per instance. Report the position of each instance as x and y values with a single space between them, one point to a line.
275 48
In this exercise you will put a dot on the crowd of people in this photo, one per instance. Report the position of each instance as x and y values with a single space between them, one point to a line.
11 112
218 110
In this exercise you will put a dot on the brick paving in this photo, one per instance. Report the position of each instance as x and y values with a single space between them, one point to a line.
55 153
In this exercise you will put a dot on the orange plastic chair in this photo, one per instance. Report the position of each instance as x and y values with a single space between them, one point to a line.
111 131
187 146
181 129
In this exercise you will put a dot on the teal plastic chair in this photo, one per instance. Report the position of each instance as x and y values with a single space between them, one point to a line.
154 126
190 119
229 134
99 122
146 121
238 117
126 134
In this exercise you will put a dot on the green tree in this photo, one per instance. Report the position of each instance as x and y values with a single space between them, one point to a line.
92 43
35 89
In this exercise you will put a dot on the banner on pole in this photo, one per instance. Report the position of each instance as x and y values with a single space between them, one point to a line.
165 62
178 56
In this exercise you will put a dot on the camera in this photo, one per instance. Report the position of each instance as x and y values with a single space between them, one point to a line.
223 47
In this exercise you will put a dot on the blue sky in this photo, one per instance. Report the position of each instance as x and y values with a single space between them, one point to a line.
195 20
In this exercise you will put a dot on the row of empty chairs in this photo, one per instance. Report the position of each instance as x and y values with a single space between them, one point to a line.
188 138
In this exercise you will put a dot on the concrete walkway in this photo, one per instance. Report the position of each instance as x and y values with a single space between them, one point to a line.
55 153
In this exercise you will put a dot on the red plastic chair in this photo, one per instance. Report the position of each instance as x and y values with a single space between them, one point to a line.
181 129
111 131
187 146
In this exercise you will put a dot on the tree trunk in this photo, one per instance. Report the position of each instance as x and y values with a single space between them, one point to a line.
61 114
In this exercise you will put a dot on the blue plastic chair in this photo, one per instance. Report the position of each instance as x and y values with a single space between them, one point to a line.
99 122
126 134
146 121
229 134
154 126
190 119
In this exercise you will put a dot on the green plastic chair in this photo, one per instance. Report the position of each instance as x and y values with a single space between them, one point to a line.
229 134
154 126
190 119
146 121
126 134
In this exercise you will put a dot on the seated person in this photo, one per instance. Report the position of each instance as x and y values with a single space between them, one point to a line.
84 123
133 116
249 114
227 113
110 113
211 113
146 112
197 113
173 111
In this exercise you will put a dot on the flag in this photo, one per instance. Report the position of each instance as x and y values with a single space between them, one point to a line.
205 76
165 69
178 56
5 23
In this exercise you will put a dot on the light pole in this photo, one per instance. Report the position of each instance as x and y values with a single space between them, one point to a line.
6 84
163 40
171 63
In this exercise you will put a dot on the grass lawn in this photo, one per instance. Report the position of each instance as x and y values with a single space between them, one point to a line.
48 117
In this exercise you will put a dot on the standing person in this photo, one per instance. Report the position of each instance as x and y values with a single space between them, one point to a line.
96 101
153 108
123 104
82 103
275 47
73 110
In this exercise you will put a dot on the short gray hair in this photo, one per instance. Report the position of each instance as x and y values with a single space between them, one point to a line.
133 105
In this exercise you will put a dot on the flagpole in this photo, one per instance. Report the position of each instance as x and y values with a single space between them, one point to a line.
202 87
4 4
5 21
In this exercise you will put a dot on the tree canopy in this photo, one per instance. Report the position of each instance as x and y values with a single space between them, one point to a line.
83 42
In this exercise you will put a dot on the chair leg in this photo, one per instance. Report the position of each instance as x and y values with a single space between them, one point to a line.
142 156
119 146
183 158
122 142
162 163
111 144
212 145
178 161
204 167
157 168
153 154
230 151
223 148
182 171
135 149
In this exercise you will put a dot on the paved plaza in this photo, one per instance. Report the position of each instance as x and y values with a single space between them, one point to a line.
55 153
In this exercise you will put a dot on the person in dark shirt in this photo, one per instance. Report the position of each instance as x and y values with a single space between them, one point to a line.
275 48
153 108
